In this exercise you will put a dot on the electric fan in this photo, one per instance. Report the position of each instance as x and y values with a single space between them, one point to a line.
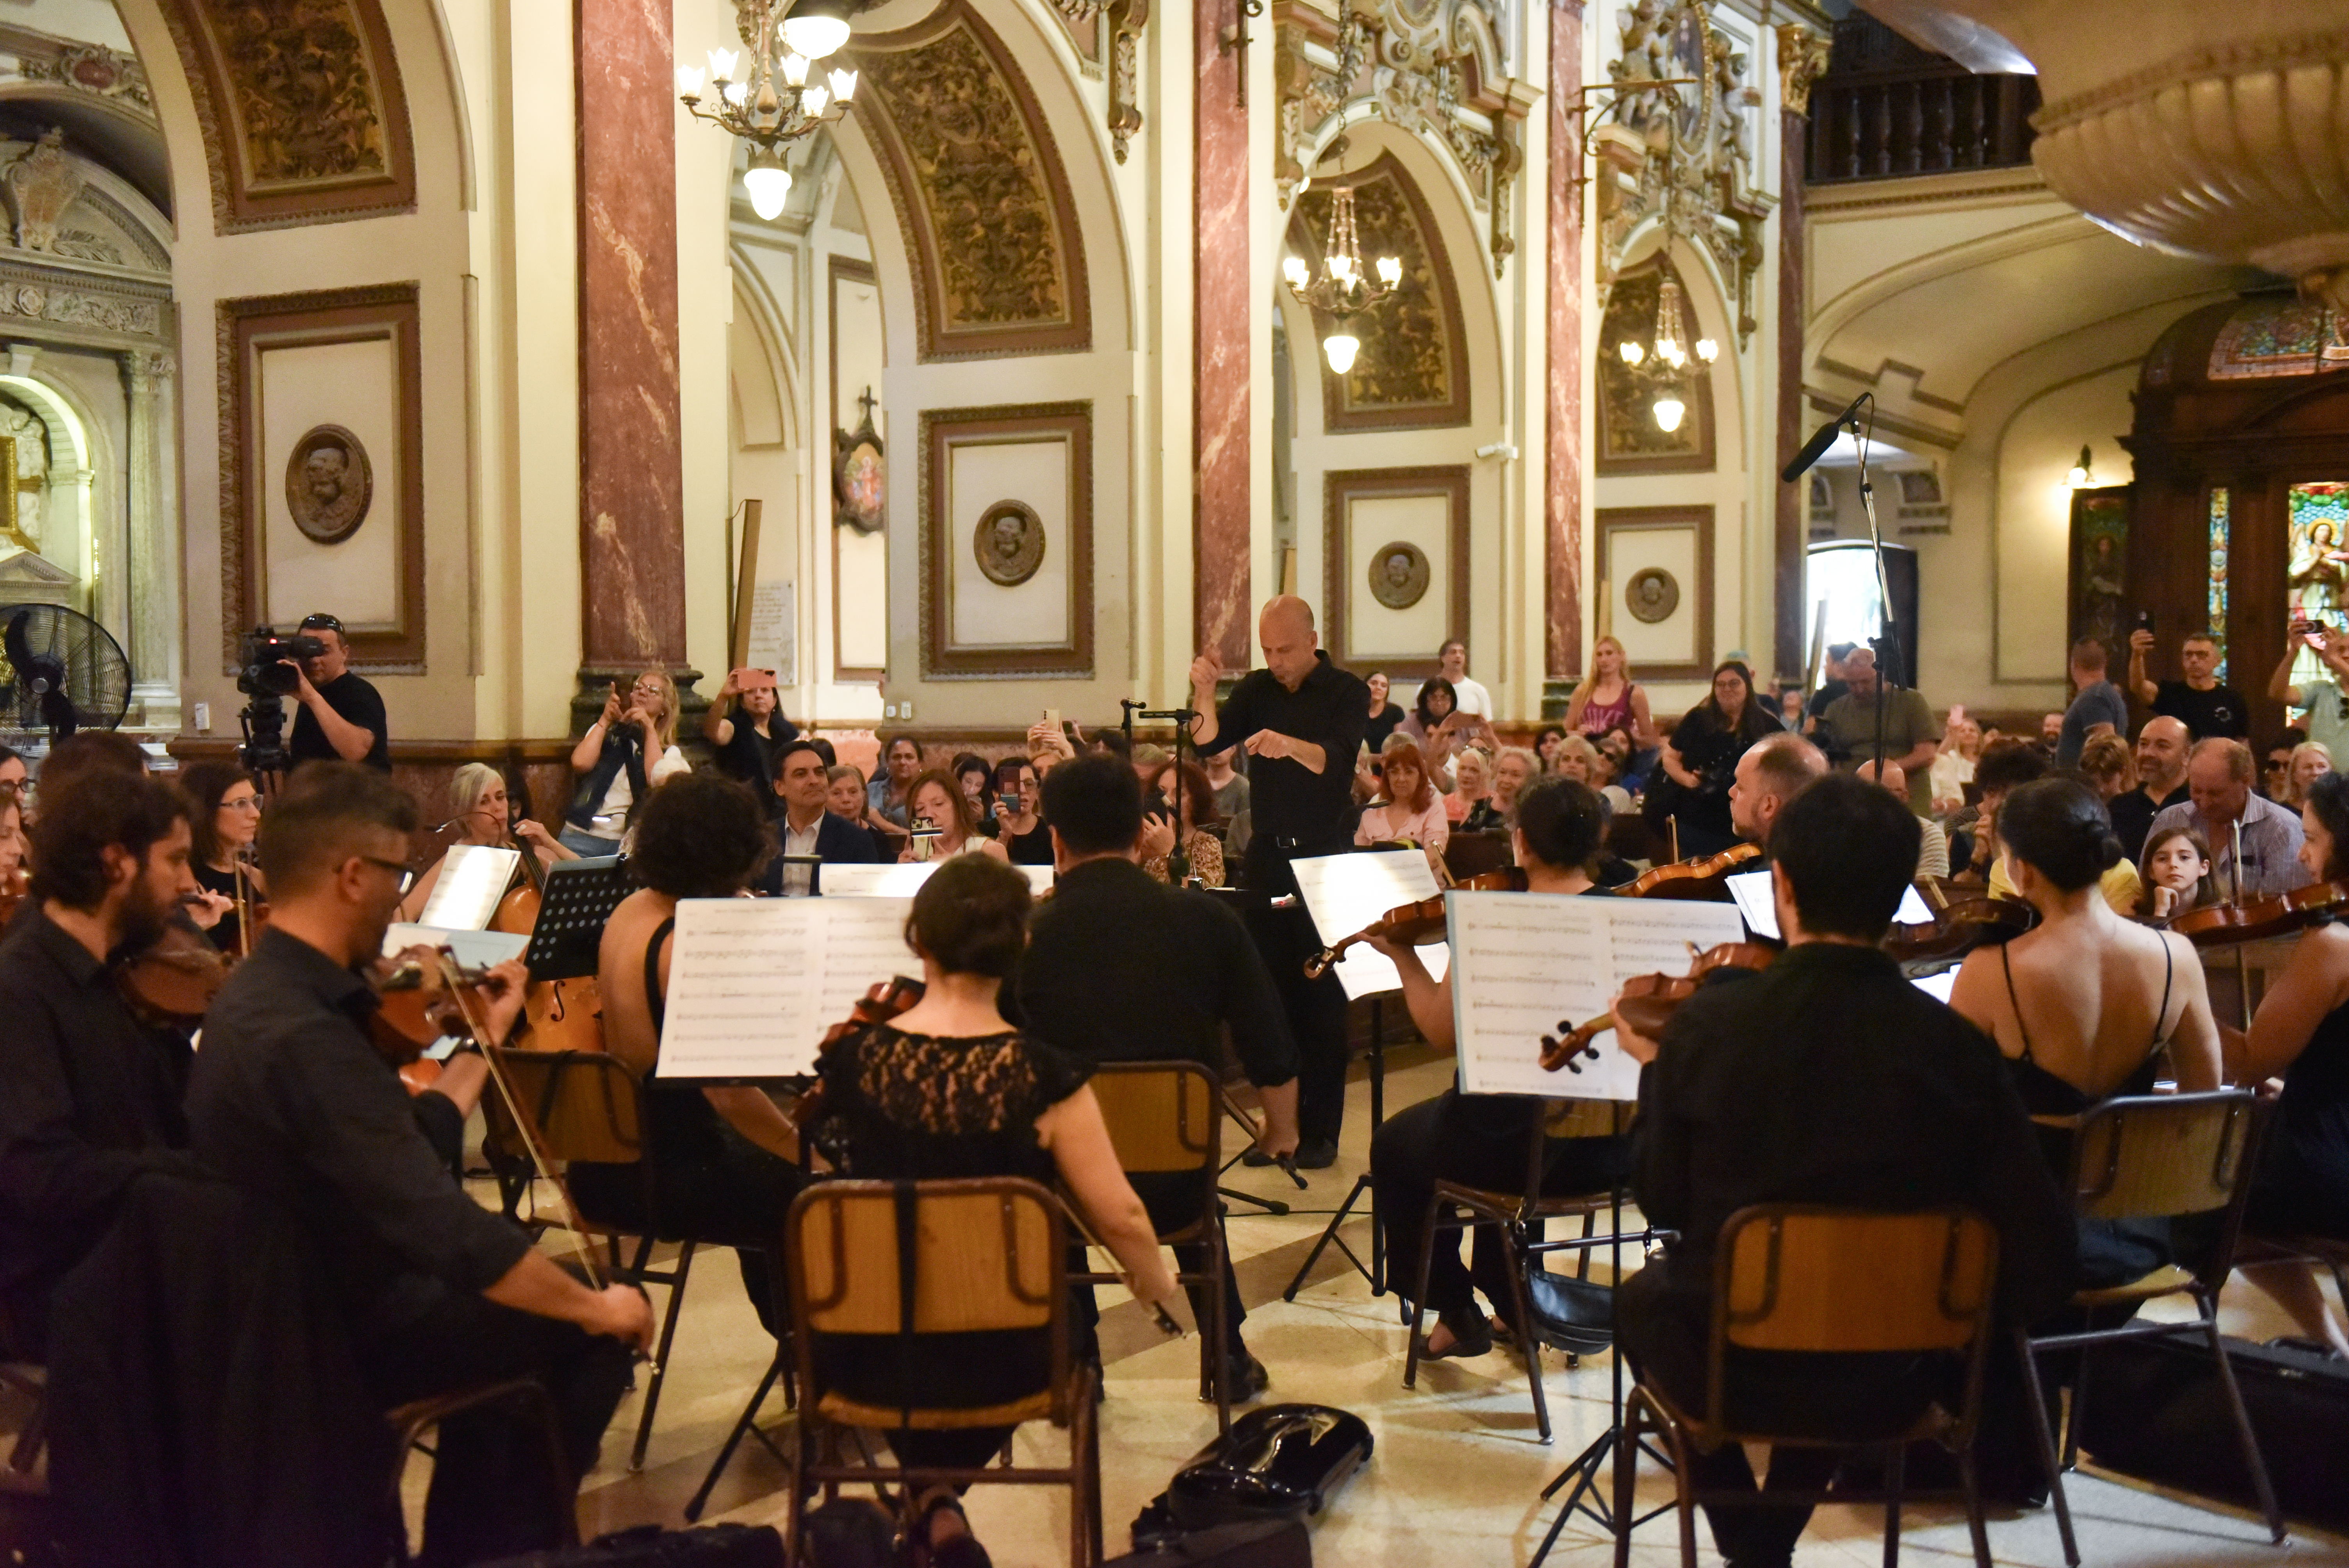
64 673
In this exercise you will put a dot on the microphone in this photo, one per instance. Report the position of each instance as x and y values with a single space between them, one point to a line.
1821 439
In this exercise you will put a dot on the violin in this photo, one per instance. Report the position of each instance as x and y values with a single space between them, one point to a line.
1695 879
171 983
421 998
13 887
1648 1003
1410 924
884 1001
2226 924
1963 919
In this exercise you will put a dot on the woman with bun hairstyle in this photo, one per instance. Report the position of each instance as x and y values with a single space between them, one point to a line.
2080 1004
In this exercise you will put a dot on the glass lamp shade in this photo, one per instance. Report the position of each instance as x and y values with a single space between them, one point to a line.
689 82
816 28
813 102
1707 350
1633 353
1390 270
1293 268
769 184
1341 348
722 63
1669 410
795 69
843 86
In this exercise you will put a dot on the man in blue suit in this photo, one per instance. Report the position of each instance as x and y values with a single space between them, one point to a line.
806 828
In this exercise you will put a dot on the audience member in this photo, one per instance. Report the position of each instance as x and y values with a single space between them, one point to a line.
2275 769
1469 695
1197 808
2051 733
1018 826
1437 729
1384 715
1513 769
2208 710
806 825
341 714
2310 762
1774 771
941 823
2006 767
1793 708
1953 763
1933 844
1701 759
2161 748
14 849
743 725
2218 784
1232 785
1634 765
1847 730
2097 709
1832 684
627 751
2325 697
1146 759
975 778
1878 1097
2175 867
1576 758
2109 768
1546 741
2301 1186
1607 699
901 764
1472 792
856 808
1407 809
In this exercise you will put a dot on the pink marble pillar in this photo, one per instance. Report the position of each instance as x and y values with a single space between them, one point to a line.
1562 443
1787 579
1221 607
631 467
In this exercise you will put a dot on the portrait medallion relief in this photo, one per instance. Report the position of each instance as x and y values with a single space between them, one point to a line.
1651 595
1008 543
329 484
1398 574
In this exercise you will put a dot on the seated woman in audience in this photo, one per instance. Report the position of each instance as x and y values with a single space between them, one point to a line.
1480 1139
1202 848
1576 758
1407 809
934 801
477 800
1546 741
2081 1004
1607 699
223 816
1513 769
727 1157
975 778
12 838
630 748
2300 1035
1470 804
1018 819
1384 714
2310 761
1438 728
2175 867
950 1089
846 796
2109 765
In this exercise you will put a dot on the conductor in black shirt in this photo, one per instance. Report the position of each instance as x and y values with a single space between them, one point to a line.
291 1101
1302 720
342 714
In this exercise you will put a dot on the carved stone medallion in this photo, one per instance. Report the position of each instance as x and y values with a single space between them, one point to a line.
40 186
1651 595
328 484
1008 543
1398 574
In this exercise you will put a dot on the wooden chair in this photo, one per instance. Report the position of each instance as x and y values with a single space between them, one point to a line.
1164 1119
1473 854
411 1421
2146 1158
1793 1277
1515 1214
988 1254
589 1106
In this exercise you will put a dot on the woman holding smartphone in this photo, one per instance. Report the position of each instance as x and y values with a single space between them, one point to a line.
944 825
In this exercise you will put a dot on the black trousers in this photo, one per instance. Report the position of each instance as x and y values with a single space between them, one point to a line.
1172 1201
1316 1009
491 1491
1478 1142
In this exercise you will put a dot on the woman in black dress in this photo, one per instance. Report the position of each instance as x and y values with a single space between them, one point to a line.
1384 715
1701 759
2302 1036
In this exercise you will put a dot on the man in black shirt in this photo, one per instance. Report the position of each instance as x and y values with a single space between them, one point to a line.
747 732
2199 702
1827 1079
2161 748
1301 720
1121 968
342 714
89 1098
290 1100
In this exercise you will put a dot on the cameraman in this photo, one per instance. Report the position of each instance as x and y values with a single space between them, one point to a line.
342 714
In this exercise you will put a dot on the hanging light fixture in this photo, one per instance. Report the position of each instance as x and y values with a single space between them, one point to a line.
1344 287
1663 364
2084 472
767 99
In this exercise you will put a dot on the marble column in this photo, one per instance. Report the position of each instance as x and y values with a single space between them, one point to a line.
1220 503
631 469
1562 432
151 567
1801 58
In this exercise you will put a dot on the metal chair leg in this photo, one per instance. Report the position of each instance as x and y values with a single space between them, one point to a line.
2253 1459
1626 1479
1528 1342
1895 1475
660 1356
2046 1439
743 1425
1975 1525
1417 1305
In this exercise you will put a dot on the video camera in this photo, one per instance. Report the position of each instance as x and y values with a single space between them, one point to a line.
265 680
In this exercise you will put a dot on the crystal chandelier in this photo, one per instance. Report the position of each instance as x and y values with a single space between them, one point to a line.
768 100
1663 363
1344 287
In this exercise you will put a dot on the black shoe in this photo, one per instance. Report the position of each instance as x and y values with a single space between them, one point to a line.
1256 1159
1249 1379
1316 1154
1472 1335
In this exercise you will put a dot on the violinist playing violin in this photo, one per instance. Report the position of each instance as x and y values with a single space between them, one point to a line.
1826 1078
291 1100
482 816
89 1096
1480 1139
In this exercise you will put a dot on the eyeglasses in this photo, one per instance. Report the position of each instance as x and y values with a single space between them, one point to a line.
242 803
399 868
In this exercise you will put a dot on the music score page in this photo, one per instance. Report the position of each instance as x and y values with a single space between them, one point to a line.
755 981
1347 893
1523 962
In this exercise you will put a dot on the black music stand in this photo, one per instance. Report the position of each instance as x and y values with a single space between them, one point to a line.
580 896
1374 1272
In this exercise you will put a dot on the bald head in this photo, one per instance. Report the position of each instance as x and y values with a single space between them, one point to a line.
1285 628
2161 755
1894 778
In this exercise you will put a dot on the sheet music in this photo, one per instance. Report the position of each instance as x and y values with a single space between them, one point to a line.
892 880
755 982
473 877
1754 894
474 949
1939 986
1347 893
1523 962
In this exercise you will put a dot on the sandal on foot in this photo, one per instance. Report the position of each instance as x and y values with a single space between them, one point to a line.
1472 1335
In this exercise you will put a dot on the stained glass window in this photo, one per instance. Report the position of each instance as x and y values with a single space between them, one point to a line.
2218 572
2317 534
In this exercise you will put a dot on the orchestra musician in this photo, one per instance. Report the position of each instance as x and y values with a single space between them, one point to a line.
1773 771
1826 1078
291 1100
1121 968
2005 766
89 1096
223 818
1302 720
477 794
1480 1138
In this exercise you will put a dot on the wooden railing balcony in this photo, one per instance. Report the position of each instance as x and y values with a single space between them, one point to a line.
1886 109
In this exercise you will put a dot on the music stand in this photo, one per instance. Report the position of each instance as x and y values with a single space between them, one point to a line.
580 896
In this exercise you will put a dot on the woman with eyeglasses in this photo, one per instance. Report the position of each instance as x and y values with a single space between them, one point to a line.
630 748
481 816
224 816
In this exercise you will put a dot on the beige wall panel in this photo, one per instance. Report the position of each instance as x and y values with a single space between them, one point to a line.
986 614
862 563
1372 522
1676 639
355 386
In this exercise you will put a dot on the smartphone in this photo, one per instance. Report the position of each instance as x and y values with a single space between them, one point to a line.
1053 718
924 840
2144 620
754 680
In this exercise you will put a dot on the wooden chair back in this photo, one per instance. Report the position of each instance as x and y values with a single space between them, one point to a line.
583 1106
2161 1156
1473 854
1793 1277
989 1254
1161 1116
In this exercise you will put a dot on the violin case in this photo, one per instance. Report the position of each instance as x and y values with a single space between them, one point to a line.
1283 1462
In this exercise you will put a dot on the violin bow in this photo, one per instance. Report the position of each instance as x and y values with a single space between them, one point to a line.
2242 954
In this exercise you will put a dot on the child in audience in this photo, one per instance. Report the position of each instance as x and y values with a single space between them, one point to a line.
2175 867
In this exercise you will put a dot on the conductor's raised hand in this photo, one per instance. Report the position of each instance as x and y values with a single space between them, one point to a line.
1205 671
1270 743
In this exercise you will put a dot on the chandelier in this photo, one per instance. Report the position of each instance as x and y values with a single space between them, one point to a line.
1662 363
770 101
1342 288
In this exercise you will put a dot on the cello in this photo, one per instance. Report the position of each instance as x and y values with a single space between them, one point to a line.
565 1015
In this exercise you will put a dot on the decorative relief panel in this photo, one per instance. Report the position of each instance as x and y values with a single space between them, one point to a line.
1408 374
1396 565
302 114
1007 542
979 190
92 68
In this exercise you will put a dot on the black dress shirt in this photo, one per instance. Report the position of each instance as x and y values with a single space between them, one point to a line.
90 1099
1121 968
291 1100
1828 1078
2133 813
357 702
1331 709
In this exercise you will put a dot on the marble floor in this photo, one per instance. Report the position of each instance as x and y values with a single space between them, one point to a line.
1458 1470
